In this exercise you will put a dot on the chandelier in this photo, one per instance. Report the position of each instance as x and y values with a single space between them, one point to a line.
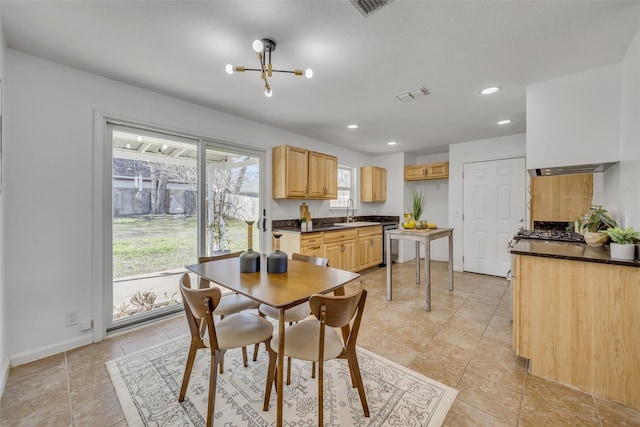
263 49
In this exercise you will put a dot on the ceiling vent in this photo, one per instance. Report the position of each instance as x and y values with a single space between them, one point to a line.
367 7
414 94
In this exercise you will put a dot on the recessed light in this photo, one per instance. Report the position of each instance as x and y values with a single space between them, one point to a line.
128 146
504 122
490 90
139 138
353 126
391 143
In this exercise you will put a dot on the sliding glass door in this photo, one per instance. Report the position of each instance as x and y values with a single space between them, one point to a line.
172 199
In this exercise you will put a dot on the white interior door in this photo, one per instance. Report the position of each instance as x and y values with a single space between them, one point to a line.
494 209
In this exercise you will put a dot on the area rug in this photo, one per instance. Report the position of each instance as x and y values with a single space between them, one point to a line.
148 383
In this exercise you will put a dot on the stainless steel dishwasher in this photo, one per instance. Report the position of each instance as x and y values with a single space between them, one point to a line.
394 244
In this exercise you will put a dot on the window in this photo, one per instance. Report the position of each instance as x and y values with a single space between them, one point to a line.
346 183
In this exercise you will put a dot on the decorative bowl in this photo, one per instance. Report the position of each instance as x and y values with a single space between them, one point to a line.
595 238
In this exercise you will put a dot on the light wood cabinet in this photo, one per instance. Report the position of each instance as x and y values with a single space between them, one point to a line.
427 171
577 322
312 244
323 176
340 248
560 198
373 184
302 174
369 250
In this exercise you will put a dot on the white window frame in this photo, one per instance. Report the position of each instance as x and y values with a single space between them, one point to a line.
333 204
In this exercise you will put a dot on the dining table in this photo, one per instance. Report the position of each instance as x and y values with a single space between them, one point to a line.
278 290
424 236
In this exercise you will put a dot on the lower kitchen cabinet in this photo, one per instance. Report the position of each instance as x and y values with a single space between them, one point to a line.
577 323
340 248
369 250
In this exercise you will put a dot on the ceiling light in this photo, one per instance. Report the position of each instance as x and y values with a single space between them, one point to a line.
263 48
504 122
353 126
165 146
490 90
139 138
128 146
391 143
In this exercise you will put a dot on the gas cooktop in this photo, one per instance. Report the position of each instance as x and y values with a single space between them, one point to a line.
562 236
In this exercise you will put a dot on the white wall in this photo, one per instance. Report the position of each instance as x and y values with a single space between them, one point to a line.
629 168
436 209
505 147
575 119
4 355
48 161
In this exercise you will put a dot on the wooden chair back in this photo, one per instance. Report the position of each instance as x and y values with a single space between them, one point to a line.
339 310
323 262
199 305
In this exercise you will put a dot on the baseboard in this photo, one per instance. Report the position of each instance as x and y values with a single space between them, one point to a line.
4 374
42 352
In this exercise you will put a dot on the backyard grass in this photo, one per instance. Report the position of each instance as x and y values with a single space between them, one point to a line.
152 243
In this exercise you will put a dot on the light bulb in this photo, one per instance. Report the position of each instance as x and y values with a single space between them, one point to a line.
308 73
229 69
267 92
258 46
490 90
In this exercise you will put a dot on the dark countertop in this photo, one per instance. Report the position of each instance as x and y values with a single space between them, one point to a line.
319 228
568 250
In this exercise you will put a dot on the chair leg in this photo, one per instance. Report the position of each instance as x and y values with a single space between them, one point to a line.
222 359
244 357
255 351
216 358
354 368
320 393
193 349
313 369
271 376
288 371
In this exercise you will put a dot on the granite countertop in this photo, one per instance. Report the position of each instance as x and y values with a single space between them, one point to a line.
568 250
320 228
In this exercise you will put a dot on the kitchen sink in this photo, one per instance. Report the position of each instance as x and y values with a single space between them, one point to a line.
355 224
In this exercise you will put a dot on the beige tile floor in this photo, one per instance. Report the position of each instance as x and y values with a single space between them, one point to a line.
464 342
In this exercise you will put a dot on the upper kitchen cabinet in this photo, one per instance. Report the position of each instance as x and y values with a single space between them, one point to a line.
427 171
569 123
373 184
302 174
323 176
560 198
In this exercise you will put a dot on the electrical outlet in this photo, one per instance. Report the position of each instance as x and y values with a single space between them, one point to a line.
71 318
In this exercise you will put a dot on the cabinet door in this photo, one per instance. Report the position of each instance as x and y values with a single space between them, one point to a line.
414 172
290 172
376 249
348 258
323 176
379 184
333 252
437 170
560 198
362 253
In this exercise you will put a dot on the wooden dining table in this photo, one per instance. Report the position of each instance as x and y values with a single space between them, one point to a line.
279 290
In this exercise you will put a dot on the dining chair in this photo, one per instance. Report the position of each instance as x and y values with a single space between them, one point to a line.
316 340
293 314
238 330
231 303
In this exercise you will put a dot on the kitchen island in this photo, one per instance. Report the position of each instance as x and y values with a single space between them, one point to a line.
576 317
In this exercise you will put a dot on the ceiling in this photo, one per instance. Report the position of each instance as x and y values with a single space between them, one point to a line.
454 49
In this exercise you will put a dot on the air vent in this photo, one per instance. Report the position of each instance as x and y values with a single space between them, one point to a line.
414 94
367 7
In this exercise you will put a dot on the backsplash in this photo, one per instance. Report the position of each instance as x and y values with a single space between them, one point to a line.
318 222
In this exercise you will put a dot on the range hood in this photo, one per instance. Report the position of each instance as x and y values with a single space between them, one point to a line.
569 170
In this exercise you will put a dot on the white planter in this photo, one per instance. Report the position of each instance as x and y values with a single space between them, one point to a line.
627 252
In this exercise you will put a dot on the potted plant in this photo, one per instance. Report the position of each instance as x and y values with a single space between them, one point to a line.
593 225
303 224
418 201
623 242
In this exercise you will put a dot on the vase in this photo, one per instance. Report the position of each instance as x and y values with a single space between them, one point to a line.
249 259
277 260
595 238
624 252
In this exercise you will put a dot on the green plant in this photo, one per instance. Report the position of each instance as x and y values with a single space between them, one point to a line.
418 201
595 219
144 300
623 237
303 219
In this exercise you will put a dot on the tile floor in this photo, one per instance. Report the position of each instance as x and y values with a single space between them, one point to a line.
464 342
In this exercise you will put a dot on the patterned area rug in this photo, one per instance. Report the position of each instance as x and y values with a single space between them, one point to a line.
148 383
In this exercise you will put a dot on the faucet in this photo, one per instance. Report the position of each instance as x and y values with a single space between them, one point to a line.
350 218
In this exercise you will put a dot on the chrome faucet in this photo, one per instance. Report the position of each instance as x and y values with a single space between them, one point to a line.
350 218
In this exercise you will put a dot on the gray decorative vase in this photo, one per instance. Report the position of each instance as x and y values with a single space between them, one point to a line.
250 259
277 260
